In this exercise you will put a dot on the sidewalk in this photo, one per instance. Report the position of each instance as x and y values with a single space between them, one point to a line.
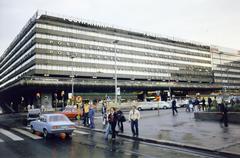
184 130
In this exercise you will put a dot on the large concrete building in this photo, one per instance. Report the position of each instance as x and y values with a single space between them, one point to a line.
53 52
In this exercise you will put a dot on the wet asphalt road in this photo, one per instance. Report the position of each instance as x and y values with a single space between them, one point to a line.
87 145
83 143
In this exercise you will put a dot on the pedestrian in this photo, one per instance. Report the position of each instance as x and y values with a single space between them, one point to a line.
107 126
215 103
190 102
232 102
104 113
209 103
91 116
203 104
112 119
174 106
86 117
196 105
120 119
224 113
134 116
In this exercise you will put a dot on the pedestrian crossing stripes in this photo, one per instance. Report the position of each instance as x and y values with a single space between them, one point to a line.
33 136
26 132
80 132
10 135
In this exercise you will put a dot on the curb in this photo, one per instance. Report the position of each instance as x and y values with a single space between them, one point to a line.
173 144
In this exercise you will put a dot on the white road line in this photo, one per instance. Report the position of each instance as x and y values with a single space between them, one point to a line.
28 128
33 136
10 135
1 141
80 132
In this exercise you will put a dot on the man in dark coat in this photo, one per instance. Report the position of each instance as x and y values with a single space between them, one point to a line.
174 106
224 111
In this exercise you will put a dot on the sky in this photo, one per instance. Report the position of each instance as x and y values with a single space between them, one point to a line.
215 22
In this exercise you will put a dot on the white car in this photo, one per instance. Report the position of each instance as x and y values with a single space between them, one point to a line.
53 124
153 105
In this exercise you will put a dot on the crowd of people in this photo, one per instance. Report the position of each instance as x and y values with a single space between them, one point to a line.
112 119
195 105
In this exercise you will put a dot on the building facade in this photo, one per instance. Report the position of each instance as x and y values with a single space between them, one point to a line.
54 53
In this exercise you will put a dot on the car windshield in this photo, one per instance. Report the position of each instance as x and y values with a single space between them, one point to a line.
57 118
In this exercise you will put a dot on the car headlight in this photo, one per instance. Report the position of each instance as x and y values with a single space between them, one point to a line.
55 127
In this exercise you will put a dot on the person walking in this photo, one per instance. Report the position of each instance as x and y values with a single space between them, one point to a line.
174 106
86 116
91 117
203 104
196 105
190 102
120 119
104 113
112 119
107 125
215 103
209 103
134 116
224 112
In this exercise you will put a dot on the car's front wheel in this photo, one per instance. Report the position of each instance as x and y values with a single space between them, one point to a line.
45 133
139 108
165 107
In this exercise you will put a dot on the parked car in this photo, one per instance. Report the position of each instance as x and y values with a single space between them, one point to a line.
49 124
153 105
71 112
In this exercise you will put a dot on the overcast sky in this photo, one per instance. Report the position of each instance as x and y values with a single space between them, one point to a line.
210 21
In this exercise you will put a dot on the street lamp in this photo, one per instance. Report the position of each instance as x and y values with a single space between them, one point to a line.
72 76
227 86
115 68
220 56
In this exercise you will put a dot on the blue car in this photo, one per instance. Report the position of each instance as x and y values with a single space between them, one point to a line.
49 124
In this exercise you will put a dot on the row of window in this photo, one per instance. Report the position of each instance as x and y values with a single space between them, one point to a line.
111 54
17 69
69 42
112 38
121 64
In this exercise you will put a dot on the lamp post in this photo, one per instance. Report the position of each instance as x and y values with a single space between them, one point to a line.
115 68
227 87
72 80
220 56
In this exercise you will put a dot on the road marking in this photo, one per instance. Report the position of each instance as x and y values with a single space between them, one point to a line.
80 132
33 136
1 141
28 128
10 135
